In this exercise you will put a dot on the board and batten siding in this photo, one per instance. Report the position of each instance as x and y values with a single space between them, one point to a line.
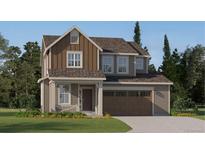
59 53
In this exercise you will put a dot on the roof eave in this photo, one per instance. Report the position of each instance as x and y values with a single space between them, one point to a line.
62 36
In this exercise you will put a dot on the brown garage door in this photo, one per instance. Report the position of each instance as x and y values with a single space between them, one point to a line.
122 103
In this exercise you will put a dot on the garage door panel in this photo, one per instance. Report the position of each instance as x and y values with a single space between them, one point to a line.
127 105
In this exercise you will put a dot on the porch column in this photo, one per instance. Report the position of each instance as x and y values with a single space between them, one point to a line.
42 96
100 98
52 97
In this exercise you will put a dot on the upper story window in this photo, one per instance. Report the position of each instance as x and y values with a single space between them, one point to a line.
74 37
107 64
139 63
122 64
74 59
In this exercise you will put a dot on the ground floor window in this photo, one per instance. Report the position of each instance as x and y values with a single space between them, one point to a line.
64 94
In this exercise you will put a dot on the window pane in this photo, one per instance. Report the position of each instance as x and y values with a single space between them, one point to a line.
107 68
61 98
77 59
66 98
74 59
70 59
108 93
145 93
121 93
133 93
64 94
74 37
139 63
122 64
107 64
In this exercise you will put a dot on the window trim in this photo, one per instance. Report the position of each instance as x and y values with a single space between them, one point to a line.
74 33
141 58
127 64
81 59
112 66
69 95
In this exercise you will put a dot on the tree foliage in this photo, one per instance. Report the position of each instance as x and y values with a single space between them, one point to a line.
137 34
186 71
151 68
19 74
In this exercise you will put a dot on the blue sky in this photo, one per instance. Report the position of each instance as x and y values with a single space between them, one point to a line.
180 34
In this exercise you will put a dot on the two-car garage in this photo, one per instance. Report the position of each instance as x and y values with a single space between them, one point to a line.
122 102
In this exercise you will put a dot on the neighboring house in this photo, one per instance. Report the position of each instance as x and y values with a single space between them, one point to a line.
100 75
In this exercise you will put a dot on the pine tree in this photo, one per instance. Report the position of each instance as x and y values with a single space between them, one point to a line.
166 66
137 36
151 68
166 48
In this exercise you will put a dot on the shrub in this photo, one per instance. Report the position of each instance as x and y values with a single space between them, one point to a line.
181 104
37 113
107 115
196 111
186 114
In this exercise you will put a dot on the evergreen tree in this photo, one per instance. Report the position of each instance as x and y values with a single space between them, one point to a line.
10 58
137 35
166 67
166 47
28 74
193 77
152 68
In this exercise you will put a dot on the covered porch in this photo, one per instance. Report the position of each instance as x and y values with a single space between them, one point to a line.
75 96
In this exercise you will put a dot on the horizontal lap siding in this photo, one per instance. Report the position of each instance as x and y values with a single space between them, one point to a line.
161 100
59 53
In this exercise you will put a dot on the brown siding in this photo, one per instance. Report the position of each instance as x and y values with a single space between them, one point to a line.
59 53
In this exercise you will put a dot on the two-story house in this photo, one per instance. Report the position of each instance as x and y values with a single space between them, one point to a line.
99 75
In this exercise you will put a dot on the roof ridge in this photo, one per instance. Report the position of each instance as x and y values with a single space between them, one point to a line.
50 35
107 37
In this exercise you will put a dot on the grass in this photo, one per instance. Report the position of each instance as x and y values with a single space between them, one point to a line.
190 113
12 124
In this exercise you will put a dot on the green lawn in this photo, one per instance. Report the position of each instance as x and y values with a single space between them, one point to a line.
10 123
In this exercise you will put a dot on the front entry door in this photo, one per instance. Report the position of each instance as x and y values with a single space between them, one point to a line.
87 99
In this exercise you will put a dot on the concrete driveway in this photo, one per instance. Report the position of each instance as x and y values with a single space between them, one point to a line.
163 124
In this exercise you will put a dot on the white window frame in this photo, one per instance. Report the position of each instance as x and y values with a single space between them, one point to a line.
127 64
139 63
112 63
75 34
81 59
69 95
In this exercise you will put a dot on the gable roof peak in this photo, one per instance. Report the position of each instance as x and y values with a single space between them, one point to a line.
62 36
